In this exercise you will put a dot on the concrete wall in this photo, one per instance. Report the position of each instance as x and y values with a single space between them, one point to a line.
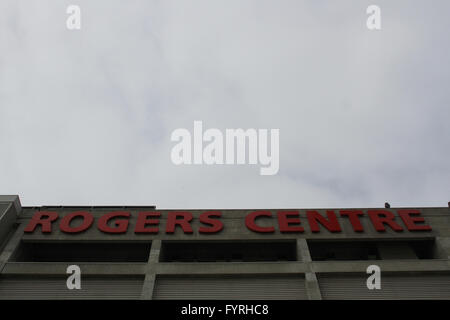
234 229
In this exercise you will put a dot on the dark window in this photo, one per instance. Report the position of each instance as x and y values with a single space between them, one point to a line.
424 249
371 250
231 251
82 252
327 250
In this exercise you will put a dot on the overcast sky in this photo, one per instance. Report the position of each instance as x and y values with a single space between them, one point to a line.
364 116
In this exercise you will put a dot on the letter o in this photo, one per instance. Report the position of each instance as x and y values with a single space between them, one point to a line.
64 225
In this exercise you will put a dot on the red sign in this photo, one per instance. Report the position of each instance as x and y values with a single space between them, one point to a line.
286 221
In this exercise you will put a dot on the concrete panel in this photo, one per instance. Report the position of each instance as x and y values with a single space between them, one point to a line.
393 286
54 288
231 287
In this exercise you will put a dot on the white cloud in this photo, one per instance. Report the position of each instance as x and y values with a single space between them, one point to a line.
86 116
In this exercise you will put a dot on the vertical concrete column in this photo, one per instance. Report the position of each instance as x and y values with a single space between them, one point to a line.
303 251
150 274
12 199
11 246
443 247
10 208
10 235
312 285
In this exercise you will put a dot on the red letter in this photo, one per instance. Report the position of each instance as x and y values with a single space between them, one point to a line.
354 220
410 222
284 222
216 225
143 221
184 222
46 224
121 225
380 217
250 221
332 224
64 225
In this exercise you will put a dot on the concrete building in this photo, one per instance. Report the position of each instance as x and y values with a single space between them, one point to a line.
147 253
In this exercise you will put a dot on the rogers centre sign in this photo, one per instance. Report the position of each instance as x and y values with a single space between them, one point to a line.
286 221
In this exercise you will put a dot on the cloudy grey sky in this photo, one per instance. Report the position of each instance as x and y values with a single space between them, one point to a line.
364 116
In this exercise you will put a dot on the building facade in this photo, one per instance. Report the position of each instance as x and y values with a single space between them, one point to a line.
147 253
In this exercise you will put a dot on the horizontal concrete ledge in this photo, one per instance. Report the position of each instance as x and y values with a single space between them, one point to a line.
58 268
301 267
385 266
230 268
